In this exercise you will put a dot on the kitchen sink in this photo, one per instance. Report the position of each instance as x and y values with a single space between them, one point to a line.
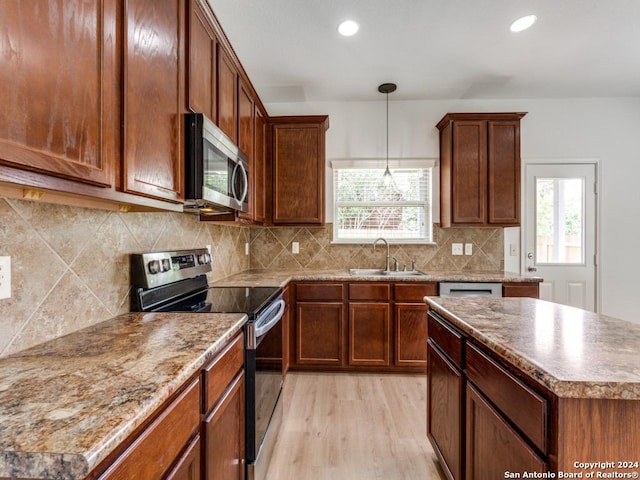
383 273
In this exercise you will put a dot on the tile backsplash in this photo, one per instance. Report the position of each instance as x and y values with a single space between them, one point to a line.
271 248
70 265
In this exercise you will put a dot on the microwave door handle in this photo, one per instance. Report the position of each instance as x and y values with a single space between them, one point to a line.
245 182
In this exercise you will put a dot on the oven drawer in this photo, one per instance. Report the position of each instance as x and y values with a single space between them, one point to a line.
219 374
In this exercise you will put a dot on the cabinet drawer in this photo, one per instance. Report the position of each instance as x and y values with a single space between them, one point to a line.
369 291
520 290
309 292
445 337
219 374
520 404
153 452
414 292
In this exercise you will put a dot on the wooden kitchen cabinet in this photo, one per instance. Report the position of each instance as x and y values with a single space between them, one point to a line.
298 169
227 94
445 390
188 466
319 327
521 289
480 169
61 117
224 431
410 323
153 146
369 324
201 69
259 167
159 445
493 447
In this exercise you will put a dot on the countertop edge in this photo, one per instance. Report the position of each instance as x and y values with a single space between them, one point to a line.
561 388
21 464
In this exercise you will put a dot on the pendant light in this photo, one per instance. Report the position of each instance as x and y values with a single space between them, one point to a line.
387 88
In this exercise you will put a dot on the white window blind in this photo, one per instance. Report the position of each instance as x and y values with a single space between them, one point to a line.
366 208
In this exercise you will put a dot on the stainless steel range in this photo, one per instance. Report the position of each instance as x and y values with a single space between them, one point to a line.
177 282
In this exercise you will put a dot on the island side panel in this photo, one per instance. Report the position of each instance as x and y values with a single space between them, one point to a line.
598 430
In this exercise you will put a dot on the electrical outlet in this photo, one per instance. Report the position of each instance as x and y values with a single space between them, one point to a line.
468 248
5 277
295 248
246 248
456 249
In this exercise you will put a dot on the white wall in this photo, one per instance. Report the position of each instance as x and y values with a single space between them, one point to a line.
606 129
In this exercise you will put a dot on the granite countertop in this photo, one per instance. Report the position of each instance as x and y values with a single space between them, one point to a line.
66 404
280 278
573 352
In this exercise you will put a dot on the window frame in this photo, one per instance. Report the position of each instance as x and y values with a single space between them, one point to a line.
380 164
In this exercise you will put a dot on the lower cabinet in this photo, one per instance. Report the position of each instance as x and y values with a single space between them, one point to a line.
176 444
369 334
445 386
224 435
482 420
160 444
188 466
319 333
493 446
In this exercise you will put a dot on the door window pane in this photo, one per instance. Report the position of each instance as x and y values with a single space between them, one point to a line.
560 220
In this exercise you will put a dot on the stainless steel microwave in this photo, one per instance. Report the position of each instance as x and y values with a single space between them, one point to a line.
216 170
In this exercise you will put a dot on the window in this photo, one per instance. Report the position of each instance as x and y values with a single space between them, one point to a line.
365 208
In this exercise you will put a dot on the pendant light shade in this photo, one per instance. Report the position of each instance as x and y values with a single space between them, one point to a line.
387 88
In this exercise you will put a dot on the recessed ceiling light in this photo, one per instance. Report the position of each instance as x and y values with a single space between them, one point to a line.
523 23
348 28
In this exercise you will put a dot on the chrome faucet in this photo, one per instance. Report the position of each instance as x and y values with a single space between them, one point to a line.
375 242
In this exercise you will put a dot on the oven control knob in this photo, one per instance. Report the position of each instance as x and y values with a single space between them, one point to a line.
204 258
154 266
207 258
166 264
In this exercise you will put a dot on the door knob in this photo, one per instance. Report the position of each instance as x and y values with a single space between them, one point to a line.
530 255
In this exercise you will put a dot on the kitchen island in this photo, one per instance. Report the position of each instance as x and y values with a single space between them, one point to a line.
68 406
519 385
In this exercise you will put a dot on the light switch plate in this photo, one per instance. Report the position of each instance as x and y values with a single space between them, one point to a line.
246 248
5 277
513 250
295 248
468 248
456 249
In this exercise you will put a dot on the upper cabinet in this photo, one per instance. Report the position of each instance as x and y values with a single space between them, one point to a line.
60 88
480 169
259 167
227 81
201 69
154 98
298 156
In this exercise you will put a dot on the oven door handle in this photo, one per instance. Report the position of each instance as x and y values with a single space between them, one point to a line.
263 326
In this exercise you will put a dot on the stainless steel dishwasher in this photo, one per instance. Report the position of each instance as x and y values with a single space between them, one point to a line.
470 289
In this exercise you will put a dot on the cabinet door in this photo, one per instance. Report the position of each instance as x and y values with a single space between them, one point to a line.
319 333
227 94
298 173
224 435
60 92
493 447
153 98
444 412
369 334
202 61
504 172
411 335
259 168
188 467
469 172
246 140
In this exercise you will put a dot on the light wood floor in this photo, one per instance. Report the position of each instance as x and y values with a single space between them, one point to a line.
353 427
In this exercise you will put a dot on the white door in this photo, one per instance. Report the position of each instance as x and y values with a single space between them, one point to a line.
560 231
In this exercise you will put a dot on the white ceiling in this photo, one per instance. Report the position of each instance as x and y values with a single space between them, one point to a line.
435 49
